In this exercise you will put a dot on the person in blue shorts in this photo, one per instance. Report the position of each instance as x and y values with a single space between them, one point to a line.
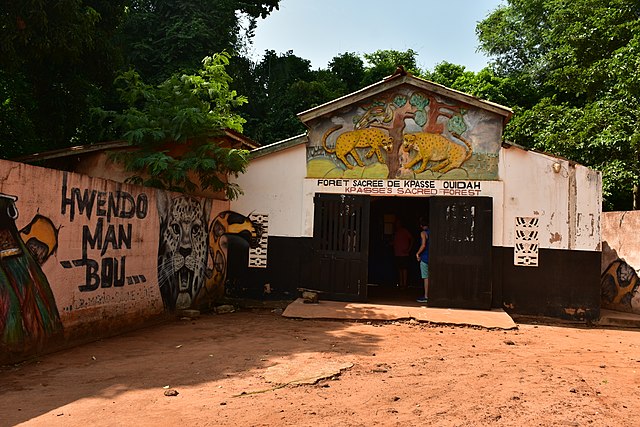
423 256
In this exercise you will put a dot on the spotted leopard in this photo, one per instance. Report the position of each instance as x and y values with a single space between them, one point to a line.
182 252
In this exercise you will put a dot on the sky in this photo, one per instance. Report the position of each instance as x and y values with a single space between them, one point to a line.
318 30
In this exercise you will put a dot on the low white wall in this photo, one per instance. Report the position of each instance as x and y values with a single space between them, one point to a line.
273 185
84 257
567 202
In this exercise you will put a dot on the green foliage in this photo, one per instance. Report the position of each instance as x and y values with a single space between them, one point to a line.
188 110
17 130
577 67
349 68
162 37
55 60
383 63
284 85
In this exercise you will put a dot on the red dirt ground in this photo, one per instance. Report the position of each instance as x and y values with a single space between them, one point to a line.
403 373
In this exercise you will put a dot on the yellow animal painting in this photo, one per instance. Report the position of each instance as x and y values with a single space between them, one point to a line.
347 142
226 223
433 147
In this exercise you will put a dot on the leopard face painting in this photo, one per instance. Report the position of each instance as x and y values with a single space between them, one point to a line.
182 252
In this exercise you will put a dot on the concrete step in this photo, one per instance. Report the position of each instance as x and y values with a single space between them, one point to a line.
619 319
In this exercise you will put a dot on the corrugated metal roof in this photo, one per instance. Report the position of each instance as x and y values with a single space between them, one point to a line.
279 146
111 145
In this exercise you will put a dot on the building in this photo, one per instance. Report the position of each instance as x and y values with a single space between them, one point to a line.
85 255
510 228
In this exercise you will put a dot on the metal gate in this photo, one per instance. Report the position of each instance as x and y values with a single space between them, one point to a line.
460 272
341 246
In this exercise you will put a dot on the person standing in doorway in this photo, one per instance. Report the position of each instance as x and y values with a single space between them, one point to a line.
402 242
423 257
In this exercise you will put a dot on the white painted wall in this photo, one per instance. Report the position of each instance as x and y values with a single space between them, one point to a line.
567 202
589 209
273 184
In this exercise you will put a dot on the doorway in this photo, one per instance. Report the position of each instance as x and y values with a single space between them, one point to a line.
353 257
460 261
340 246
383 272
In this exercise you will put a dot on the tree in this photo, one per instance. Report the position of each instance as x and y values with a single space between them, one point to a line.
383 63
162 37
484 84
283 86
349 68
56 58
187 110
580 64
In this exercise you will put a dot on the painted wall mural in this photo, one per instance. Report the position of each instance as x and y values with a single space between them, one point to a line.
224 226
620 264
620 287
75 251
28 311
193 253
406 134
182 253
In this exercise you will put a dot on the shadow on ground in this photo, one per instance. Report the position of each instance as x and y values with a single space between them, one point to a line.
177 354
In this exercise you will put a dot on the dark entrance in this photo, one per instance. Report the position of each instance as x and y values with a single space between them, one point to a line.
460 252
341 246
383 271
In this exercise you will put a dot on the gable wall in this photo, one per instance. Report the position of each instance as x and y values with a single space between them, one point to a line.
395 134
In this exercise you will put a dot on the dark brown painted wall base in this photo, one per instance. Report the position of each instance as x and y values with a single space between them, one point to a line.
566 284
288 268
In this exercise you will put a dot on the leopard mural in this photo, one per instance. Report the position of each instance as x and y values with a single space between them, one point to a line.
620 287
182 251
225 225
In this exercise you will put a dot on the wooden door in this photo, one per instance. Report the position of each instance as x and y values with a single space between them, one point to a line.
460 252
341 246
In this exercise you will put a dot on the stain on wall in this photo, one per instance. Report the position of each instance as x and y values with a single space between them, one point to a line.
407 134
28 311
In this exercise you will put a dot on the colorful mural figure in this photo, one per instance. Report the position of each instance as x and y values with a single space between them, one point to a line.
28 311
620 288
182 252
433 147
193 253
347 142
413 134
41 238
226 224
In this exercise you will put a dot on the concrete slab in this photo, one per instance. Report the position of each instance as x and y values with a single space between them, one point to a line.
496 318
619 319
302 369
